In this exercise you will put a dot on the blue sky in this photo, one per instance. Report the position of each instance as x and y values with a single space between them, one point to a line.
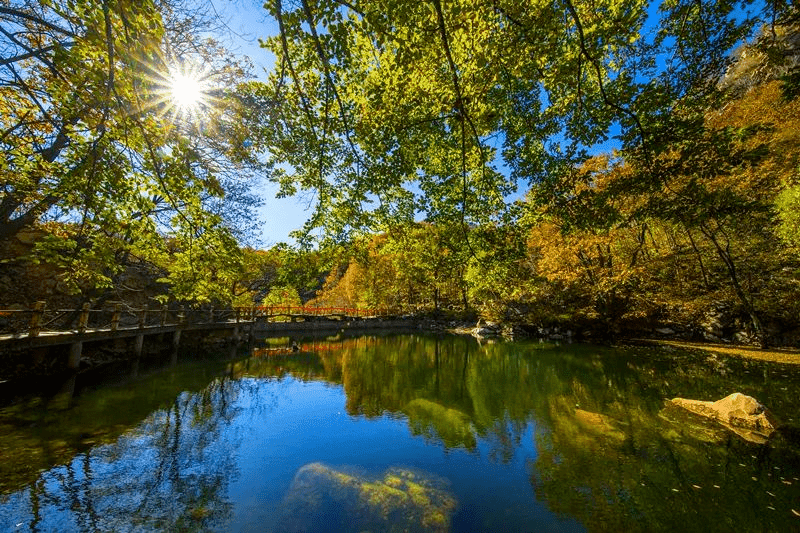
248 21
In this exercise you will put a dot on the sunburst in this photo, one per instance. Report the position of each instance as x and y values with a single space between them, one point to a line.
183 92
188 91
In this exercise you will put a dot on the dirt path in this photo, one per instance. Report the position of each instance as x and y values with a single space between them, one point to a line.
776 355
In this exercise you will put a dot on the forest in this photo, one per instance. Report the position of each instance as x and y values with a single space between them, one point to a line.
612 167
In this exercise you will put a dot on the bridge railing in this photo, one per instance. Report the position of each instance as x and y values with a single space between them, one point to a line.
317 311
41 320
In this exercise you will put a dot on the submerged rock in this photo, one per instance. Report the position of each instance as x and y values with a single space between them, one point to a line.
743 414
325 499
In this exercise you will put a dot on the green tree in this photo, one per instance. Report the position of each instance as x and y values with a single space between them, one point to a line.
94 141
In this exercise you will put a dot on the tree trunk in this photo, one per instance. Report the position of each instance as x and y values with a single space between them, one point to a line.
726 257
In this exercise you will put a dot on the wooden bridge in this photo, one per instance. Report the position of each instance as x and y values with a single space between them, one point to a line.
31 328
41 328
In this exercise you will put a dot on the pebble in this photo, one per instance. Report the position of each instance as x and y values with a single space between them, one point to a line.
754 478
716 486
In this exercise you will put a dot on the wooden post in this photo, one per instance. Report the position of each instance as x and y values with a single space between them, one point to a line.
251 330
143 317
75 350
139 342
83 321
36 319
182 316
211 315
163 315
115 317
138 345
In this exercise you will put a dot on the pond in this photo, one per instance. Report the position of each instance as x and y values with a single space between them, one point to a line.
404 433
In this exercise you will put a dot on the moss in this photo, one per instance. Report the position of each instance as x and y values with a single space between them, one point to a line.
400 500
393 480
419 494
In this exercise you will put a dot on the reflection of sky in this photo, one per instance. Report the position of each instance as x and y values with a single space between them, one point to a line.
309 424
571 431
236 462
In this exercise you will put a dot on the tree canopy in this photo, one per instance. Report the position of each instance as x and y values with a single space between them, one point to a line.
391 108
470 153
96 146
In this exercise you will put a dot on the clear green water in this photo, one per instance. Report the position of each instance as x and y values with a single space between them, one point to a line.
405 433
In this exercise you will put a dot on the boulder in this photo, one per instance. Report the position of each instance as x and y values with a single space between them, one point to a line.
322 498
736 411
742 337
490 329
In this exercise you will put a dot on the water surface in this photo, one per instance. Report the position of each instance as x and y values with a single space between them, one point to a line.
405 433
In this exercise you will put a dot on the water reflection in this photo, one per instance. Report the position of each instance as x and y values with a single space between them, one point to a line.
523 436
169 473
608 452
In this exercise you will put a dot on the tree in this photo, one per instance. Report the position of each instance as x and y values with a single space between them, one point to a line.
406 105
94 141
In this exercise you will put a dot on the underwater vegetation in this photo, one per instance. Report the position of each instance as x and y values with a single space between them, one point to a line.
322 498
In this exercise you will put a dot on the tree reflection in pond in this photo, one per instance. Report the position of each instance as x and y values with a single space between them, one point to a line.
607 451
169 473
529 436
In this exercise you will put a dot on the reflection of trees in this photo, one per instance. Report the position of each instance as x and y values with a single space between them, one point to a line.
169 473
449 393
606 453
36 435
611 456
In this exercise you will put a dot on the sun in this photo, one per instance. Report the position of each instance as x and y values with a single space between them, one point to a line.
187 91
